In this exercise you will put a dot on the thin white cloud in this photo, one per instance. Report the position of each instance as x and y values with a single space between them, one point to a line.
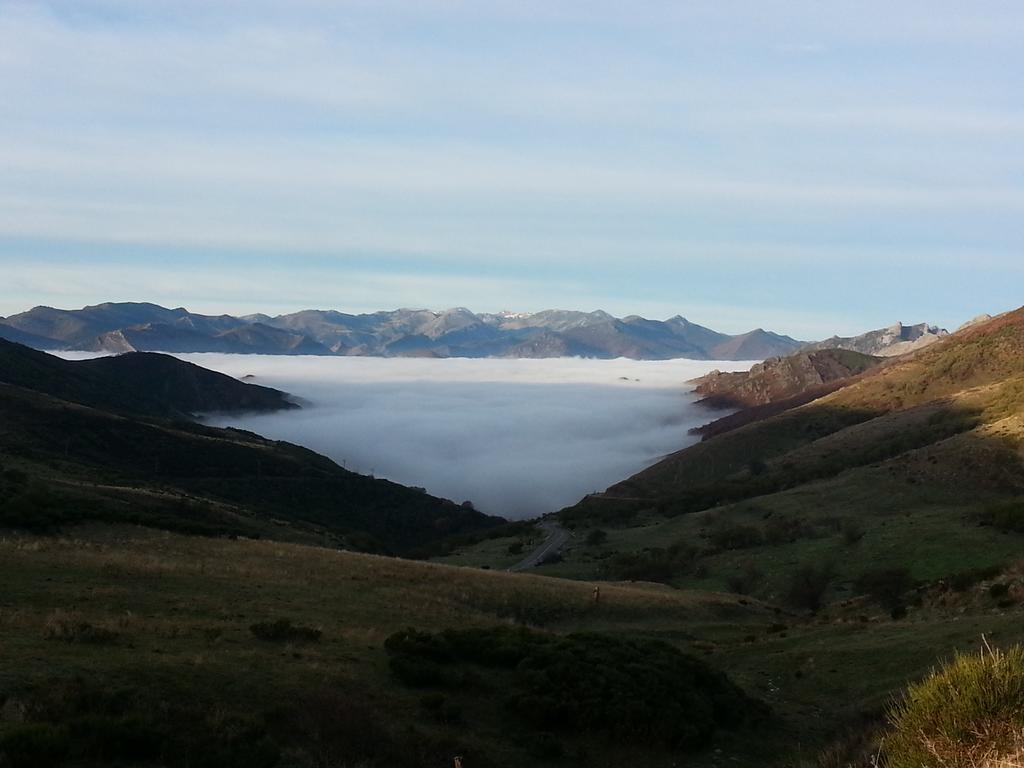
515 136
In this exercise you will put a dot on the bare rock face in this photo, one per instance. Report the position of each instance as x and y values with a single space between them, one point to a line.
898 339
783 378
976 321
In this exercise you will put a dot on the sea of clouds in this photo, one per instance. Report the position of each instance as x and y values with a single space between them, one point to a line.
518 438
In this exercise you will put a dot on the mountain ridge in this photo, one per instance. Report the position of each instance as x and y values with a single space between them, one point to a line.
456 332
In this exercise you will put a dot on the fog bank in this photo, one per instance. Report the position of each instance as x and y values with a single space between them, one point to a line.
516 437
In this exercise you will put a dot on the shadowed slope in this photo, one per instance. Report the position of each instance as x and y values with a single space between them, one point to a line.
140 382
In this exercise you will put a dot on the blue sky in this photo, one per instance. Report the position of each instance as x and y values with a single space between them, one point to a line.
809 167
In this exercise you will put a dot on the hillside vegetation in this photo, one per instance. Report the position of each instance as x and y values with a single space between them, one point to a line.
915 466
107 440
140 383
950 415
147 648
892 508
173 650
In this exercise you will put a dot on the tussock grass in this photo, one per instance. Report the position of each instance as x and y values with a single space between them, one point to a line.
967 714
71 627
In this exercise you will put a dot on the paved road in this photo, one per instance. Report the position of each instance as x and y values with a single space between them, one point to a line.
556 538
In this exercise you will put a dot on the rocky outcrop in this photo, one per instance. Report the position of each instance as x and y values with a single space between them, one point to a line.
780 379
893 341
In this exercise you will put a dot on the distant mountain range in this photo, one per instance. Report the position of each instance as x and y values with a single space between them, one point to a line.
130 327
400 333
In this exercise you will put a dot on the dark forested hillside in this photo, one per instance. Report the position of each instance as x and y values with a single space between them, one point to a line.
108 439
138 382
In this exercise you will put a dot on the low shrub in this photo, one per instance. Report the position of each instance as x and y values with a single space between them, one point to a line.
886 585
781 529
967 714
596 537
747 580
630 691
1006 517
735 536
808 585
660 565
284 631
964 580
998 590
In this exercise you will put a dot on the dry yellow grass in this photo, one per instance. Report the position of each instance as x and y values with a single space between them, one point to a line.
163 579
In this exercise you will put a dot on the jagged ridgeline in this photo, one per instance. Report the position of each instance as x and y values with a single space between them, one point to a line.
113 439
400 333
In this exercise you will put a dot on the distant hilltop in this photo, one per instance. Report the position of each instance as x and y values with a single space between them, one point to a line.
886 342
127 327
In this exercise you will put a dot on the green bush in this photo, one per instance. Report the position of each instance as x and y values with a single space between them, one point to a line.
1008 517
964 580
998 590
747 580
596 537
736 536
968 714
808 585
638 692
660 565
886 585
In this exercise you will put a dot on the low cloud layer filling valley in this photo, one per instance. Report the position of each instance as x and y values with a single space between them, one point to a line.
517 437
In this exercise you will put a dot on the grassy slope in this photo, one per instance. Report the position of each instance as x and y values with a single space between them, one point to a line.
948 419
72 462
990 355
897 470
180 610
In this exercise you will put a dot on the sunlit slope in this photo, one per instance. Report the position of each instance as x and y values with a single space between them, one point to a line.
963 396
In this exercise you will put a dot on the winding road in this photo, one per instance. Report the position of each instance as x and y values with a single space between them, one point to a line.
556 538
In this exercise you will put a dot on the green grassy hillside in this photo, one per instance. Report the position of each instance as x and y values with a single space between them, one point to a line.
916 466
266 653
